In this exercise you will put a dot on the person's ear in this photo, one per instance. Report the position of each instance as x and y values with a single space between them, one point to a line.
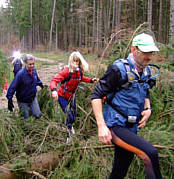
133 48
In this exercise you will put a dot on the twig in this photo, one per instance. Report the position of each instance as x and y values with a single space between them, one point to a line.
137 29
164 147
166 112
5 146
113 35
110 146
36 174
39 148
87 114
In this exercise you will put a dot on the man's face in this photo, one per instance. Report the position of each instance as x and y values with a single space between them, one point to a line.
142 58
30 64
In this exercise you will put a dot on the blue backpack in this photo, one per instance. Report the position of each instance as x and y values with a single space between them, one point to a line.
17 66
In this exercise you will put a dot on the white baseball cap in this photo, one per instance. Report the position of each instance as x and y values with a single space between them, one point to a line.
145 43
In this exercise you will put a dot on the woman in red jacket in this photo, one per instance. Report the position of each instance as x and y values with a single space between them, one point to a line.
70 77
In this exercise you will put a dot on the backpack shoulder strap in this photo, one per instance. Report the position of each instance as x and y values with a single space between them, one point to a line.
68 78
81 74
122 65
125 82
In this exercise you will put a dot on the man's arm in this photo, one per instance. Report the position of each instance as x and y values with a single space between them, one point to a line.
145 114
104 133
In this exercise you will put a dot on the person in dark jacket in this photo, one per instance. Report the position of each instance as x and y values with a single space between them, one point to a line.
24 84
126 84
17 62
70 78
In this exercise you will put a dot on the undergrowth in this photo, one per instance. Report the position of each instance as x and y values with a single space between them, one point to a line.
84 157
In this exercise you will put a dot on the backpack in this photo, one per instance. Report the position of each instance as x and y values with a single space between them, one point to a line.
126 83
17 66
69 77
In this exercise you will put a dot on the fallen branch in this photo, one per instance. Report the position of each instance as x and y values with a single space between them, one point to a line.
36 174
137 29
50 160
113 35
5 146
40 147
171 111
87 114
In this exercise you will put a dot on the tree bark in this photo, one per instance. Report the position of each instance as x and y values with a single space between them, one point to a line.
94 26
114 15
30 45
40 163
51 29
150 13
118 11
171 18
160 21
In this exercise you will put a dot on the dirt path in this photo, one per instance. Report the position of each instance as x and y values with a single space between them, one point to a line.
45 74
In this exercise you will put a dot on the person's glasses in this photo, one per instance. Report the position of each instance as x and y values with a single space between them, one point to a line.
145 53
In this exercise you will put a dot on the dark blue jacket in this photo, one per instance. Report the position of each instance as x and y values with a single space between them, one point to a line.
24 84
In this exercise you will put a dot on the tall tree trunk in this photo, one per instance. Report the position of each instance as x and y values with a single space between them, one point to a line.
99 28
56 41
160 21
73 32
31 29
135 12
80 23
94 26
114 15
107 18
52 20
171 18
118 11
80 31
150 13
65 32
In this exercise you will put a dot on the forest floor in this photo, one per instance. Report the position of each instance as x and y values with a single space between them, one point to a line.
45 74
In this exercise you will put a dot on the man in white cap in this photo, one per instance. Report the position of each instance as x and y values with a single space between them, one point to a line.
126 84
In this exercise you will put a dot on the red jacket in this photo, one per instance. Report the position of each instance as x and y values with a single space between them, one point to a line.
5 84
68 88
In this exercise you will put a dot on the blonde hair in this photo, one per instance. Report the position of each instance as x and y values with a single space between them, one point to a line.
83 64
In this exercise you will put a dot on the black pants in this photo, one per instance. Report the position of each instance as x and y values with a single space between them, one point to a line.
128 144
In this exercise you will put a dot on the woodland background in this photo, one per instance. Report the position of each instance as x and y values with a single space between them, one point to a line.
64 24
102 31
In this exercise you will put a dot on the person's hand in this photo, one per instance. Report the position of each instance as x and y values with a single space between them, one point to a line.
42 86
104 134
145 116
10 105
95 80
55 95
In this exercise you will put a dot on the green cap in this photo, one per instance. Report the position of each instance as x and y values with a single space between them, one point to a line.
145 43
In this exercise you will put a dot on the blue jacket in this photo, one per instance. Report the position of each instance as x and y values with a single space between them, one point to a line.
24 84
130 101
